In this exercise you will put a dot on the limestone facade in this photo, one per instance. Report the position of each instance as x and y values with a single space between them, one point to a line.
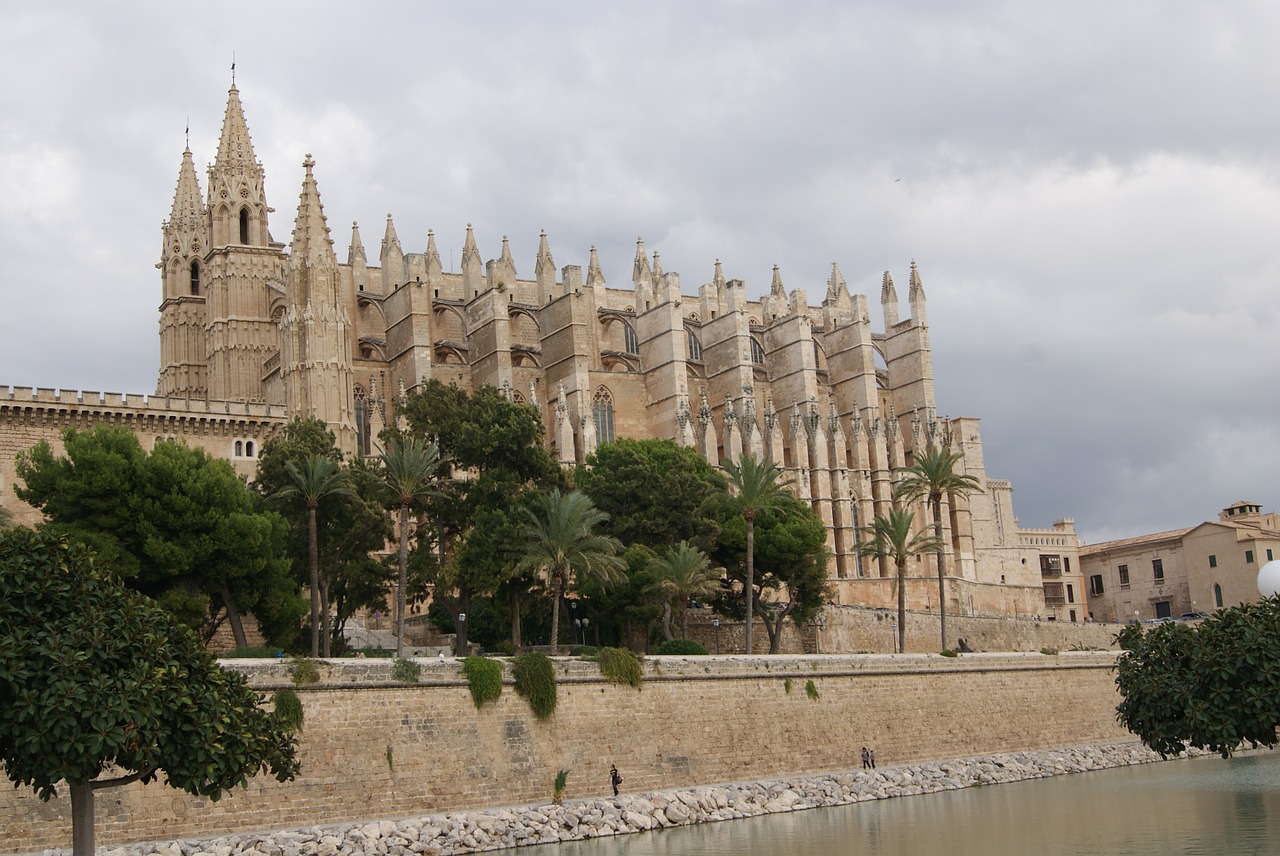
246 322
1195 569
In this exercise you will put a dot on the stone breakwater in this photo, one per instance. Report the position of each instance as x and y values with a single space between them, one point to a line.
581 819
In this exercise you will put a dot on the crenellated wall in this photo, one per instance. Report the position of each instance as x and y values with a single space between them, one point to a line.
373 749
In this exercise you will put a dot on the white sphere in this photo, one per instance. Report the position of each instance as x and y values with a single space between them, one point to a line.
1269 579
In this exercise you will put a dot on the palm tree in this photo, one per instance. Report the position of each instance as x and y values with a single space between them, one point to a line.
890 537
755 485
931 477
684 573
407 469
562 541
317 478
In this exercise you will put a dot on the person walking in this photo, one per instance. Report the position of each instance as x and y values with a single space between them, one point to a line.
866 759
872 755
614 778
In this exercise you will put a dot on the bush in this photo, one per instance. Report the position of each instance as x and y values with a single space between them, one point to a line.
620 666
535 679
947 652
288 709
485 678
251 653
681 646
811 690
1049 651
583 651
406 671
304 672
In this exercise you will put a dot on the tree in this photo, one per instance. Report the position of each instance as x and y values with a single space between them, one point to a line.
790 554
6 518
655 492
1214 686
931 477
179 525
316 478
684 573
562 542
756 486
891 538
95 678
407 471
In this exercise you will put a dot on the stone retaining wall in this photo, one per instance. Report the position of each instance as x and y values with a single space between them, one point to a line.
374 749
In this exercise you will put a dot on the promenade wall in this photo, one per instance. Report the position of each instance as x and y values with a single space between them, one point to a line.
374 749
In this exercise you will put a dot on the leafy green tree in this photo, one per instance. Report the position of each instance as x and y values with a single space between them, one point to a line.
180 524
407 472
790 556
755 485
315 479
890 536
684 573
1214 685
655 492
96 678
931 477
6 517
562 542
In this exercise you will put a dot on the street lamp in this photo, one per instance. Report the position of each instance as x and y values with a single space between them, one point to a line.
460 635
819 625
582 624
715 622
1269 579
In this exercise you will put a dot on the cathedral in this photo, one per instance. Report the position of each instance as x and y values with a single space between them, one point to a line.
254 333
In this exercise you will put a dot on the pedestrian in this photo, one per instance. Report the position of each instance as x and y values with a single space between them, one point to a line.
866 759
872 755
614 778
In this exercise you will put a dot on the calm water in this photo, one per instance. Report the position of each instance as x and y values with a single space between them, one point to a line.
1198 806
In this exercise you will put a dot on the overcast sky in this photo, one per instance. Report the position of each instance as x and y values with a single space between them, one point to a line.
1090 189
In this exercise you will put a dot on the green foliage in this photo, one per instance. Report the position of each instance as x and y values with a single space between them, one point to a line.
558 786
251 653
947 652
1053 652
654 492
406 671
811 689
484 677
535 680
95 677
304 672
684 573
786 685
890 537
391 759
756 486
1214 685
681 646
620 666
288 708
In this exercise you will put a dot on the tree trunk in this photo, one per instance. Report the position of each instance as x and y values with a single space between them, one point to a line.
684 623
902 606
313 577
326 630
82 820
402 578
233 616
515 618
751 573
555 613
936 502
666 621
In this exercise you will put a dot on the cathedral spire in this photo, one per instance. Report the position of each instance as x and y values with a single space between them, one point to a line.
889 301
235 148
915 296
836 286
435 269
355 253
718 279
545 262
641 273
472 266
188 203
390 240
775 288
657 266
595 276
505 260
311 244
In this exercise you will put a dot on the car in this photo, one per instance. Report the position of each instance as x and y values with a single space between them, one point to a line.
1193 616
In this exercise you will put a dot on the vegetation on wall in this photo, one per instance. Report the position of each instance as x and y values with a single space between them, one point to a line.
288 708
535 680
620 666
484 676
304 672
681 646
811 689
406 671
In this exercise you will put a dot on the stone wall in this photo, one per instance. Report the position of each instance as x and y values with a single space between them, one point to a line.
373 749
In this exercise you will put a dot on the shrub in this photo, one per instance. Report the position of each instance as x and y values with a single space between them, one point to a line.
535 679
406 671
681 646
288 709
947 652
485 678
304 672
786 685
620 666
251 653
583 651
557 787
811 690
1049 651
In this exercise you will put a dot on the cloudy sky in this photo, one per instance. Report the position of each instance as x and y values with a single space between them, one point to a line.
1090 189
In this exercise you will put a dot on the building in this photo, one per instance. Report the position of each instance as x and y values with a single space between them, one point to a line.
254 333
1196 569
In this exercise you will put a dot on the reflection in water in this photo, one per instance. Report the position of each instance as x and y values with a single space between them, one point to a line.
1200 806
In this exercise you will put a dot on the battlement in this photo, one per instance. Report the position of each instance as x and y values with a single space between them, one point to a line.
40 397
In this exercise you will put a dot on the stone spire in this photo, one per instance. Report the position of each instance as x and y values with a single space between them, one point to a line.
235 148
657 267
435 270
392 256
718 279
544 269
237 198
838 306
472 266
505 260
188 210
641 273
595 276
889 301
776 289
311 243
355 252
915 296
836 286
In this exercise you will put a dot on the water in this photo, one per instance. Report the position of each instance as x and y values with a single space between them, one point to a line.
1197 806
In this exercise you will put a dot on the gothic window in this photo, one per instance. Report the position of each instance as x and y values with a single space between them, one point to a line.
517 398
630 341
248 448
757 352
195 277
602 410
239 449
244 225
695 347
362 420
1217 595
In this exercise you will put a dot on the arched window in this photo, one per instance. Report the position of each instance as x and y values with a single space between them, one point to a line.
631 342
517 398
248 448
244 225
195 277
239 449
602 410
757 352
695 347
1217 595
362 420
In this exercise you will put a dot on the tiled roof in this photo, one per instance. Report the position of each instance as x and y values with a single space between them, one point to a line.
1106 546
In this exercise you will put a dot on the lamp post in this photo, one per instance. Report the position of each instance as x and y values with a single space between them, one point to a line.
582 624
715 622
461 633
819 625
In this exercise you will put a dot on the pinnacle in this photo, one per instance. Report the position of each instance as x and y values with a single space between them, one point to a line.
311 242
235 148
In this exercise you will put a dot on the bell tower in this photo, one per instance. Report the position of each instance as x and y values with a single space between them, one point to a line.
183 345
